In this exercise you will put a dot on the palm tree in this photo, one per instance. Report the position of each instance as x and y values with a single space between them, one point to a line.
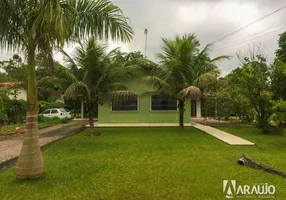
183 71
35 26
103 76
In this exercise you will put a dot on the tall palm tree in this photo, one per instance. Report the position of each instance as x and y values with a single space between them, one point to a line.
35 26
103 76
183 71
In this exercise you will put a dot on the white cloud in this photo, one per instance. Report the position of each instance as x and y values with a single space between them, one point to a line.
208 19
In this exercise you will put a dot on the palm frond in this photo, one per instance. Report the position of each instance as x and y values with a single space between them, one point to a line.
155 81
55 81
65 74
102 19
52 21
121 95
220 58
113 53
192 92
67 58
78 89
149 93
145 64
205 50
12 21
208 78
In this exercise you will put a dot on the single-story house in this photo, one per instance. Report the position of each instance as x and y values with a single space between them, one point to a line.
14 90
146 109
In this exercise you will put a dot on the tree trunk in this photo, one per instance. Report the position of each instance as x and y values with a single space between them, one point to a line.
91 126
181 114
30 163
263 122
82 109
93 132
74 114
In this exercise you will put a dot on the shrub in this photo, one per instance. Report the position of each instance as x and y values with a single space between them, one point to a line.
15 111
270 129
41 118
64 120
54 119
279 113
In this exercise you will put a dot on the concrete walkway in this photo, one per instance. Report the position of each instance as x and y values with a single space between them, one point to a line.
221 135
10 148
214 122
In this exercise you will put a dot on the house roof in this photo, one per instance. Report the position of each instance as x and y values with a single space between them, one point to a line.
7 85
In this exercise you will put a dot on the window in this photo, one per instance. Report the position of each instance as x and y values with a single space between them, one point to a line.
54 111
162 103
47 112
131 103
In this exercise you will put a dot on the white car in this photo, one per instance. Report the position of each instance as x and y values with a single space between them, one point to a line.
56 112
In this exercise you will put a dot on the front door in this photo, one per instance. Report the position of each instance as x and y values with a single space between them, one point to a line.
193 108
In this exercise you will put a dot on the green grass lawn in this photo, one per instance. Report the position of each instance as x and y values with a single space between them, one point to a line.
148 163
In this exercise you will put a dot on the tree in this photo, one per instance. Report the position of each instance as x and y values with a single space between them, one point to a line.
14 70
281 51
227 101
103 76
35 26
253 81
278 79
279 113
183 71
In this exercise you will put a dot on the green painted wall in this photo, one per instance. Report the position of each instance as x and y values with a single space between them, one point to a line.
144 114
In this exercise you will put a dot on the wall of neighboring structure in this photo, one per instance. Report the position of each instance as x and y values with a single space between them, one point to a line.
20 94
144 113
199 112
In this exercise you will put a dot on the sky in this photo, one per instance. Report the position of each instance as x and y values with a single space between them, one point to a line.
209 20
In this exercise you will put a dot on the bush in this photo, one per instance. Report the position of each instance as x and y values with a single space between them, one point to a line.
279 113
64 120
54 119
41 118
15 111
270 129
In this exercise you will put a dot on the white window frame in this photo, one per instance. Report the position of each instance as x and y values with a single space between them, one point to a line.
138 104
150 98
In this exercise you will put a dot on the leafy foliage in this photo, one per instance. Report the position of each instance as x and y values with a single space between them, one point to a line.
279 113
183 70
278 79
15 111
252 83
39 26
14 70
226 101
281 51
103 75
52 120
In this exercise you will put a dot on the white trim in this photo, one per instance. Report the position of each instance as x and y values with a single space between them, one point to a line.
150 97
138 104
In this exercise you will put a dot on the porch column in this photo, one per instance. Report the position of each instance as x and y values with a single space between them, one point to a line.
199 113
82 109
